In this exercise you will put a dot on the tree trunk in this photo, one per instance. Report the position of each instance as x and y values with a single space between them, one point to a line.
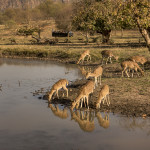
87 38
145 35
106 36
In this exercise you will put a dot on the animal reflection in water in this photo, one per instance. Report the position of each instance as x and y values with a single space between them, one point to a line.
62 83
83 97
61 113
85 119
103 122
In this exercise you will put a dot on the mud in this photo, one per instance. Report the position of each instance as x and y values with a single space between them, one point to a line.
128 96
127 106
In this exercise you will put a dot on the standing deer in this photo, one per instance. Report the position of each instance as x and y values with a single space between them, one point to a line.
96 74
62 83
83 55
103 96
83 96
108 54
139 59
130 65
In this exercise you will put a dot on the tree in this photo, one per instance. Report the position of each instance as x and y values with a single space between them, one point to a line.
84 16
29 31
48 9
106 20
137 13
96 15
63 17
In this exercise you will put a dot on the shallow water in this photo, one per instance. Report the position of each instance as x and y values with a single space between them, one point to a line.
27 122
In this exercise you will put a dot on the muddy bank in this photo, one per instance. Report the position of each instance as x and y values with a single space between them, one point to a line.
121 101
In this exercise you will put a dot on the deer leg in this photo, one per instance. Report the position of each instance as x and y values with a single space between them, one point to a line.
107 60
65 90
137 72
110 60
96 81
87 102
57 93
90 57
100 80
123 71
108 99
127 73
132 73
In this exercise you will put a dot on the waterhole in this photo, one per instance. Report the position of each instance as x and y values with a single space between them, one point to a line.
28 122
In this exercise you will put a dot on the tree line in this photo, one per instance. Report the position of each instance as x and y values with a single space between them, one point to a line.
88 16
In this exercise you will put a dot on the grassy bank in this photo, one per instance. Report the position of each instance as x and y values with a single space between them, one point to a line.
68 54
124 44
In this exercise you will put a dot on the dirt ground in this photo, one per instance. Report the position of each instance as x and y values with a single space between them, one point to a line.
128 96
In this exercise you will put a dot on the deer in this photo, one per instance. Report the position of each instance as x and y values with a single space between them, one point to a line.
84 70
96 74
103 96
108 54
139 59
83 96
62 83
130 65
83 55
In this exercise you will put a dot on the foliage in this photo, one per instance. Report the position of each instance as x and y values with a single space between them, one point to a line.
137 13
136 10
48 9
63 17
84 15
98 16
26 30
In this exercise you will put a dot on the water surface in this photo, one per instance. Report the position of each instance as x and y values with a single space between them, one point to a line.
27 122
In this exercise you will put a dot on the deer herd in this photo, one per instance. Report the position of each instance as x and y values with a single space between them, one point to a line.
88 88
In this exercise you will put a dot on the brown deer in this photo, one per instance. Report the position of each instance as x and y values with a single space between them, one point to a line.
83 55
139 59
62 83
103 96
83 96
96 74
130 65
108 54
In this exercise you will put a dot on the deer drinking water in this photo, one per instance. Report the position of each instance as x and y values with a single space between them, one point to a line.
103 96
83 96
62 83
